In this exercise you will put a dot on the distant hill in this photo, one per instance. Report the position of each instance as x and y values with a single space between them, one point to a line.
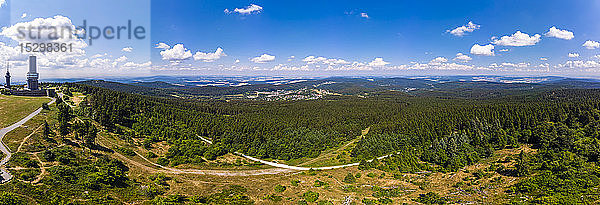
460 86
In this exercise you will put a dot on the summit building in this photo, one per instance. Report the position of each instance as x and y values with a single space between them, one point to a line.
32 75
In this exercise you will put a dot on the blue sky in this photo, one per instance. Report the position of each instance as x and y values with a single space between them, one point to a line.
351 37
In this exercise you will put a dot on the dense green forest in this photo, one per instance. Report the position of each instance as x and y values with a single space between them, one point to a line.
276 130
445 131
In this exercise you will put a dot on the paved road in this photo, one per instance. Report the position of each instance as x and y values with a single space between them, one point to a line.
4 172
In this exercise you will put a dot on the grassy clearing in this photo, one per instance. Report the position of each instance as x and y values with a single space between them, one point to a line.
331 157
473 184
77 98
14 138
15 108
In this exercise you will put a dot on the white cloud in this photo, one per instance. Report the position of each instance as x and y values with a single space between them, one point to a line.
356 66
127 49
99 55
437 66
132 65
263 58
378 62
75 63
177 53
562 34
487 50
237 60
596 57
462 57
24 15
291 58
438 61
515 65
10 53
162 46
517 39
313 59
504 50
209 57
121 59
282 67
462 30
579 64
364 15
58 29
573 55
543 59
2 2
323 60
252 9
591 44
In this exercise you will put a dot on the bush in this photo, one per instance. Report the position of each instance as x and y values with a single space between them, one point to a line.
274 198
319 183
28 174
310 196
325 203
125 151
431 198
280 188
64 155
151 155
350 179
380 192
162 161
295 182
21 159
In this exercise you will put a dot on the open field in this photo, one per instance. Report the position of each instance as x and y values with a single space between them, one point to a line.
32 127
330 157
14 108
77 98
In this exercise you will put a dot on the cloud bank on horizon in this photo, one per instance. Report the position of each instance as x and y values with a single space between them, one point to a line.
265 38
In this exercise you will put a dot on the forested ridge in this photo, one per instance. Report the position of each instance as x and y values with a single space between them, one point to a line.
445 132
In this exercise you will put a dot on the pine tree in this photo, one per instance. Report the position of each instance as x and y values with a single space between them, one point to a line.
47 130
522 165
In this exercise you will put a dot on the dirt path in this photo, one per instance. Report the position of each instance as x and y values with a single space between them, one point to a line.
28 136
42 168
285 166
164 169
3 171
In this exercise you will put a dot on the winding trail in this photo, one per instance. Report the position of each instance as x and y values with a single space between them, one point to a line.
27 138
281 168
6 176
157 168
285 166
